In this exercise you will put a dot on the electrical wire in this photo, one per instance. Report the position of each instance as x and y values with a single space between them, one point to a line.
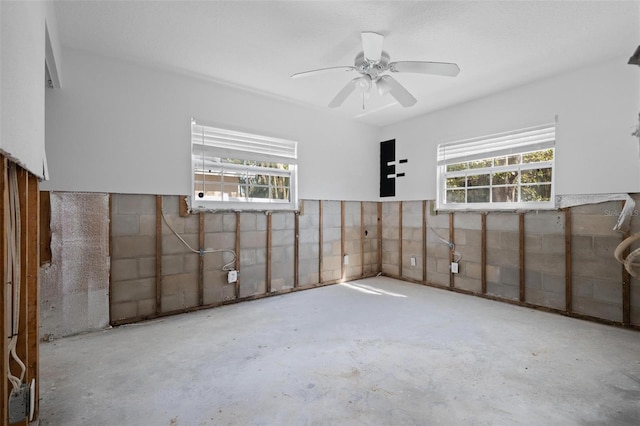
12 273
226 267
450 244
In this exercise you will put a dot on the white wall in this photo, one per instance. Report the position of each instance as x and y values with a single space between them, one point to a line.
22 88
119 127
597 108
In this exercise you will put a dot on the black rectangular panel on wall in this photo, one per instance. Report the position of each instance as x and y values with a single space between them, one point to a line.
387 154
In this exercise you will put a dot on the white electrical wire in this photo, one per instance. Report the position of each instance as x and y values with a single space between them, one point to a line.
12 274
450 244
226 267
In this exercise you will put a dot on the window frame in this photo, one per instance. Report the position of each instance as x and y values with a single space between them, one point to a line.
211 145
519 142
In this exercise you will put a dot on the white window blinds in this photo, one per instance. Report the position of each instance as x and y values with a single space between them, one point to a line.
514 142
210 141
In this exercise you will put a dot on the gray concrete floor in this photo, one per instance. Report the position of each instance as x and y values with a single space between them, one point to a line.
370 352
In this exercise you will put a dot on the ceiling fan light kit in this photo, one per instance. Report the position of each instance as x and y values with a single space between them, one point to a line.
372 62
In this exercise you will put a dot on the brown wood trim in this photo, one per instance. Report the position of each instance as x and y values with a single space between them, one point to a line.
320 242
110 225
343 267
522 294
158 254
483 254
400 205
568 271
33 297
183 207
201 257
379 231
424 240
4 341
451 248
237 263
296 250
362 237
267 280
45 226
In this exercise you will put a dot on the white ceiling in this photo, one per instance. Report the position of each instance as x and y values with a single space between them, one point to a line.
258 45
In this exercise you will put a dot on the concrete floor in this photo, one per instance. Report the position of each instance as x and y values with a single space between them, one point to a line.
371 352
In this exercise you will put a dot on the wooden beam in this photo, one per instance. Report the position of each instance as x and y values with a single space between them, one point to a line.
33 297
568 271
379 231
45 226
483 252
343 268
268 268
22 341
4 317
296 250
451 249
521 250
158 254
201 257
321 243
626 283
237 264
362 237
400 204
424 241
183 206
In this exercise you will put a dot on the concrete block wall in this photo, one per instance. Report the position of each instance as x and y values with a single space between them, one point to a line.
468 243
370 238
309 243
331 241
437 250
390 238
412 247
635 283
253 253
597 276
220 234
74 287
282 250
352 236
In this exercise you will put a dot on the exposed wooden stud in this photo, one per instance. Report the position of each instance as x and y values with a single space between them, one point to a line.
296 250
343 268
521 262
33 286
45 226
237 250
483 252
183 206
201 258
268 268
23 202
451 249
158 254
568 271
110 225
379 231
4 338
362 236
321 243
424 241
400 204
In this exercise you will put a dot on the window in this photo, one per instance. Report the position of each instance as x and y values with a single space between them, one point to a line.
236 170
504 171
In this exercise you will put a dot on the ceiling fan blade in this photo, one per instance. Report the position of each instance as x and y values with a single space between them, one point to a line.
372 45
422 67
322 71
400 94
344 93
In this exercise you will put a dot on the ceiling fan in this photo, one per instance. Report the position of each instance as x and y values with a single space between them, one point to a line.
372 63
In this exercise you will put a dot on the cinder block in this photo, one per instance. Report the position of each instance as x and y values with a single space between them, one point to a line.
508 222
146 224
124 224
593 225
261 222
134 290
213 222
510 276
229 222
170 204
533 279
127 247
607 291
220 240
173 245
147 307
173 302
253 239
553 243
191 224
124 269
606 268
136 204
191 262
173 264
554 283
146 267
175 222
542 222
465 283
467 220
471 270
582 286
124 310
542 298
581 246
605 246
173 284
532 243
597 309
502 290
552 263
510 241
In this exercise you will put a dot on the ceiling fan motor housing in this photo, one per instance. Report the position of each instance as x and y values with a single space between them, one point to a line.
370 67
